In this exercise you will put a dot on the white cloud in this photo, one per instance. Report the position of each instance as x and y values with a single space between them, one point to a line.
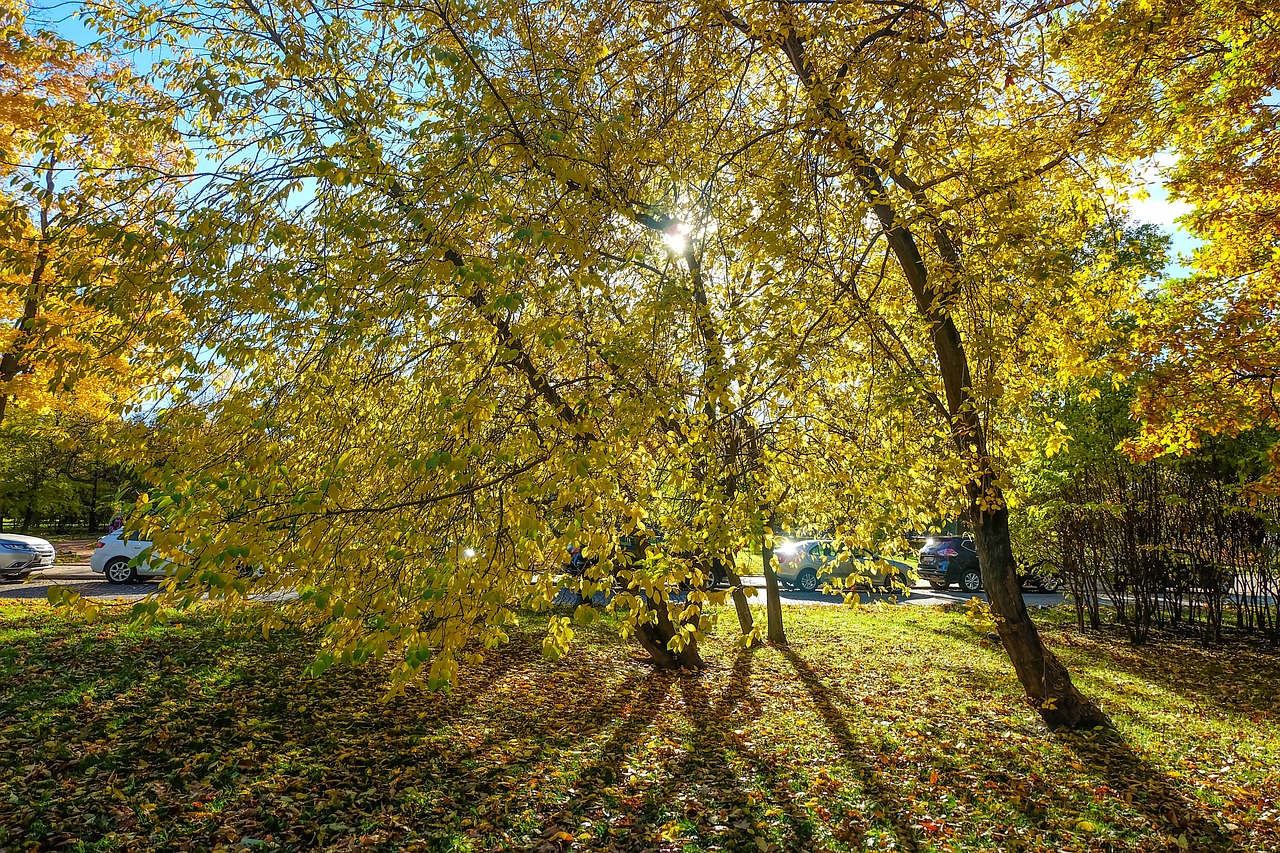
1159 209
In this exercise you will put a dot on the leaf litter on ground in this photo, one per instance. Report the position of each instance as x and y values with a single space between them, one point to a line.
876 729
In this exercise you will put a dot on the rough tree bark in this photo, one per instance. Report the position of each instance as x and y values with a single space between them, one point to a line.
745 620
655 637
11 362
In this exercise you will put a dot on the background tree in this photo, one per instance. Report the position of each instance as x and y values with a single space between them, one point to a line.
82 143
59 471
1206 102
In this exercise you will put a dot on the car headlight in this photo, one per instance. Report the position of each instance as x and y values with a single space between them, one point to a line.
17 546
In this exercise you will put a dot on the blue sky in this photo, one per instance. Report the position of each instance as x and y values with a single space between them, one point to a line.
1159 209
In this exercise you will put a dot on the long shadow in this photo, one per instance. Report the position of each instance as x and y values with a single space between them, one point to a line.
853 748
638 715
1153 792
713 749
1139 783
149 699
1235 676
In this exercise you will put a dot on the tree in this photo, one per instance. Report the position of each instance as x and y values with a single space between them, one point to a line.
82 142
545 275
1206 101
58 466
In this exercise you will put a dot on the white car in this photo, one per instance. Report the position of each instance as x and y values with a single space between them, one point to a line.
21 555
115 554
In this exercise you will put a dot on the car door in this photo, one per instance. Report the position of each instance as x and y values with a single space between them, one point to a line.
134 545
850 565
876 569
853 564
822 557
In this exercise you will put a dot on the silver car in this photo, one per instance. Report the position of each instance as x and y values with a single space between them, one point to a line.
801 564
21 555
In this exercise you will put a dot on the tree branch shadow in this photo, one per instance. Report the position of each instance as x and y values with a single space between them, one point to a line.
852 747
1151 791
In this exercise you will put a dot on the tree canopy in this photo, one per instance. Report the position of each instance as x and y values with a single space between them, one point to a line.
466 284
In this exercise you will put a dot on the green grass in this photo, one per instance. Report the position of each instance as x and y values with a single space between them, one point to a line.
886 728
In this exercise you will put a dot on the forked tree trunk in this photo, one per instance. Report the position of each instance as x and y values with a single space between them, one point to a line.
655 637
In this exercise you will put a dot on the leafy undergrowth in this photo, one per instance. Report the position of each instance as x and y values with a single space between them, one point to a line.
882 729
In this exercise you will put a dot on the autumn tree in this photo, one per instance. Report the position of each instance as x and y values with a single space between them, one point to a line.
1205 104
584 376
83 143
58 465
477 282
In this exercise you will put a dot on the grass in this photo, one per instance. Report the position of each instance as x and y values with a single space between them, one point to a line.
880 729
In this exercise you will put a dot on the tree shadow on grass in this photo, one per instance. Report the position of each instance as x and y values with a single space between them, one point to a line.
700 785
716 746
204 737
1134 782
854 751
1236 678
1165 803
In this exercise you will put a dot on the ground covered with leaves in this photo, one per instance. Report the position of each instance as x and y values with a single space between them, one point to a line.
878 729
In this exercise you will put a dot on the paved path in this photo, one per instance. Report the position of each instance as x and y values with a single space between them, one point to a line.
87 583
921 595
93 585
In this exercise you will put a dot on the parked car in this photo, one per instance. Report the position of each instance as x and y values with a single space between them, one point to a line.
21 555
1041 576
114 557
800 564
717 574
1188 573
946 560
1166 569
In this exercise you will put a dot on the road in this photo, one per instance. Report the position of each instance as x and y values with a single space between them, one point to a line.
92 585
922 594
87 583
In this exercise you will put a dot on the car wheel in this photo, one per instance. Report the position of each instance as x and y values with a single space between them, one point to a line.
971 580
939 584
119 571
1048 584
807 580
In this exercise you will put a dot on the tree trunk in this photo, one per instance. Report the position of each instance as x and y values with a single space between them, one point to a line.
1046 681
773 598
91 517
11 361
745 620
655 637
